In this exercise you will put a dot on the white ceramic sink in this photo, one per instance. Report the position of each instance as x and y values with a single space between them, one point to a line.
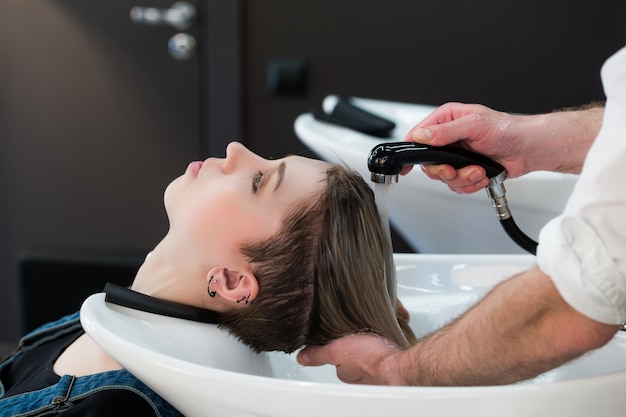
204 372
425 212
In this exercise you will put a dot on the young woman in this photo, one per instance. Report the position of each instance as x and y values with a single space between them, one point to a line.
289 252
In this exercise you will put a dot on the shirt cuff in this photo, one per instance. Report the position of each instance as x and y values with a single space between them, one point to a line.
588 279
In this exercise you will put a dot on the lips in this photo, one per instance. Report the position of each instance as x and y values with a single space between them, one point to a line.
194 168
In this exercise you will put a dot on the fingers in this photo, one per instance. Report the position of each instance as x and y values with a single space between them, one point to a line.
401 312
314 356
469 189
463 181
347 371
356 357
466 124
406 169
440 172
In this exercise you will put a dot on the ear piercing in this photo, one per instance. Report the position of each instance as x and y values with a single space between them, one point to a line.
211 293
246 298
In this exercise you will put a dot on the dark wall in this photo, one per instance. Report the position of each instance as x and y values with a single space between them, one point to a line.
95 120
520 56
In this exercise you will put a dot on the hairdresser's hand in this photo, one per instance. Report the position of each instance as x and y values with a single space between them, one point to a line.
557 141
401 312
473 127
359 359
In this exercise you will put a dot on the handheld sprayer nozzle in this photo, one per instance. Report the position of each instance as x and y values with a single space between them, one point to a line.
386 161
384 178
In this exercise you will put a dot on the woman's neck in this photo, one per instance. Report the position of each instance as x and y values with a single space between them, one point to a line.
166 273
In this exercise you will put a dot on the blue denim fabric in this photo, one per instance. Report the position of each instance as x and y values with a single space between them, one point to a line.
57 398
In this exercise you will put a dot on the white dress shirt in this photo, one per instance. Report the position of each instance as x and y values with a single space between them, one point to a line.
584 249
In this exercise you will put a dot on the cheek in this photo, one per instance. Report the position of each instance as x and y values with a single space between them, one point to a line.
222 219
219 219
236 224
220 232
203 228
192 202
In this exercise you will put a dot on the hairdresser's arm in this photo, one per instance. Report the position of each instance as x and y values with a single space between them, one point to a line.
519 330
556 141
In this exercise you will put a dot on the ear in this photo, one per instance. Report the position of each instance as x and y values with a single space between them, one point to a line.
238 285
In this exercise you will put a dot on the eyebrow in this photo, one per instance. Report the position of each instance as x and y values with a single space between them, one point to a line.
281 174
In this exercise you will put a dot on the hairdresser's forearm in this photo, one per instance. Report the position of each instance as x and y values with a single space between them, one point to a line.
521 329
560 141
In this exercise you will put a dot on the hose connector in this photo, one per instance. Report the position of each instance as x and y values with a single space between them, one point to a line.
497 194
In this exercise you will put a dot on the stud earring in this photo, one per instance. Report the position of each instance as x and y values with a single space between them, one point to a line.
208 289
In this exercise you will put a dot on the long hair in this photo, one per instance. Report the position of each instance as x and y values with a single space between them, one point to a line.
322 276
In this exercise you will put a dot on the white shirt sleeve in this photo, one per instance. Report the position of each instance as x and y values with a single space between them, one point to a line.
584 249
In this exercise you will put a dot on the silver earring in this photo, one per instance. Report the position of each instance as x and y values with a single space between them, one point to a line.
211 293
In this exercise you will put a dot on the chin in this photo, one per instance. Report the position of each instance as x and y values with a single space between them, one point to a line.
169 196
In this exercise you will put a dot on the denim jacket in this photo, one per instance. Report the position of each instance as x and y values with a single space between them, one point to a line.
70 389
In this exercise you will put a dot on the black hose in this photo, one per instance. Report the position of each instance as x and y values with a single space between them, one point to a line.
518 236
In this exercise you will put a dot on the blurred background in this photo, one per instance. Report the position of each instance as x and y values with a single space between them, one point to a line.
99 112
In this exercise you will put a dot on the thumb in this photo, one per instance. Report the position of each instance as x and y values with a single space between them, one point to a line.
313 356
444 133
420 135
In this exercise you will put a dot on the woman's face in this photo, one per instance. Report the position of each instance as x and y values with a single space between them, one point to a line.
219 204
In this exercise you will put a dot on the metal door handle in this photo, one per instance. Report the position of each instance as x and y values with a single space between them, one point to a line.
182 46
180 16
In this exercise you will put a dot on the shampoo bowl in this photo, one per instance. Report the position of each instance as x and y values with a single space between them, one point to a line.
430 217
204 372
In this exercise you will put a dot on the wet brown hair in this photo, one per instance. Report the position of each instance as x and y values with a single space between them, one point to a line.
322 276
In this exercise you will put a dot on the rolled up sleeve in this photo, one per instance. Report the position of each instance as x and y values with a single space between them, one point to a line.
584 250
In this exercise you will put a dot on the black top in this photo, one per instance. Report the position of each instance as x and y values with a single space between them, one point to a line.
33 370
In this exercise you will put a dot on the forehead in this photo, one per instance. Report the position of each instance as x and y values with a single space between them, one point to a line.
304 175
307 164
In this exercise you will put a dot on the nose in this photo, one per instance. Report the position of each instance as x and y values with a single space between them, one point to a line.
236 155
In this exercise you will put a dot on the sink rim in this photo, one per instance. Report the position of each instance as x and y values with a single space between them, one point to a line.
111 341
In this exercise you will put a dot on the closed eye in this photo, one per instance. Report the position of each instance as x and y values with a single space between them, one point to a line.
256 181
